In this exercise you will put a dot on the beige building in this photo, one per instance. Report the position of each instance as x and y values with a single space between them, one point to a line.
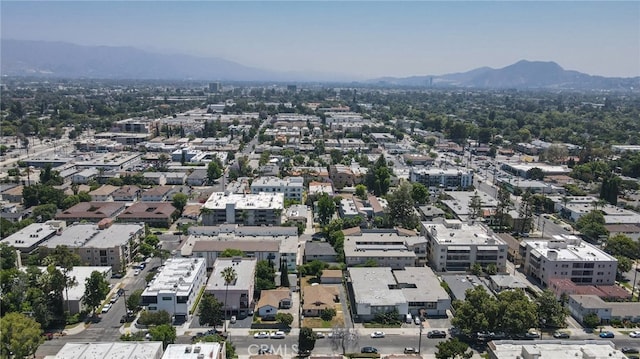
239 296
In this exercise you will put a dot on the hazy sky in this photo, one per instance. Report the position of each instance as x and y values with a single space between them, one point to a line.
364 39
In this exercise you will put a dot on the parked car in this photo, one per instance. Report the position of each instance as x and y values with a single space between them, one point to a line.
377 334
635 334
278 335
410 350
629 350
319 335
369 350
136 272
607 334
417 320
561 335
261 335
532 334
233 319
436 334
114 298
106 308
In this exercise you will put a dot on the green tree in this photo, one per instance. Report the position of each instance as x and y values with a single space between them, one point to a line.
284 275
134 300
516 311
477 313
491 269
419 193
70 201
535 173
621 245
550 310
20 336
155 318
66 259
231 252
315 268
306 339
610 189
591 320
401 210
591 225
44 212
378 178
624 264
327 314
96 289
210 310
180 201
265 276
503 206
361 191
8 256
214 171
475 206
229 275
476 269
284 318
453 349
326 209
165 333
526 212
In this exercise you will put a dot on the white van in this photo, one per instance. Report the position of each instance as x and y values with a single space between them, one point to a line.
409 319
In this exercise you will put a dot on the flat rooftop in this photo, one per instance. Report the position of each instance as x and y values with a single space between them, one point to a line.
371 285
423 284
30 235
556 349
191 351
219 200
176 271
88 235
109 350
568 248
462 233
245 269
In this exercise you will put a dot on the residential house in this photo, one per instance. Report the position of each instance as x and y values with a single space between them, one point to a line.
84 176
13 194
316 298
272 300
175 178
156 194
583 305
103 193
127 193
156 178
331 276
91 211
321 251
197 178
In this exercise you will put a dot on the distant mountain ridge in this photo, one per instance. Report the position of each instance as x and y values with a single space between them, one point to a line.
60 59
521 75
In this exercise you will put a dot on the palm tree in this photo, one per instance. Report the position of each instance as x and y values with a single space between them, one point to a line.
229 275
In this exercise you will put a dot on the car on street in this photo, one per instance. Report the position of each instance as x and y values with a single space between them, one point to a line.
607 334
561 335
369 350
261 335
136 272
410 350
106 308
436 334
377 334
532 334
635 334
278 335
629 350
319 335
233 319
114 298
417 320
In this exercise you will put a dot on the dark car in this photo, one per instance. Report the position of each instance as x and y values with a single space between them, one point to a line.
629 350
561 335
437 334
409 350
304 353
371 350
607 334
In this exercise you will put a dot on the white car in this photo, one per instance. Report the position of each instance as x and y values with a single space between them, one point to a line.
278 335
377 335
136 272
106 308
635 334
261 335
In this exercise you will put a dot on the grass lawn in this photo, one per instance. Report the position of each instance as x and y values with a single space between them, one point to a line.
379 325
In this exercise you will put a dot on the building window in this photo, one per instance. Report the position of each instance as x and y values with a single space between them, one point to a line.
166 298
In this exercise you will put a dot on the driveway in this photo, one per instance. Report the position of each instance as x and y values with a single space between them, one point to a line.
348 323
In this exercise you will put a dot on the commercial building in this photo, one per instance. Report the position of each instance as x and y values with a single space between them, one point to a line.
239 293
522 169
387 248
248 209
176 287
454 246
567 256
110 350
556 349
381 290
208 350
574 207
291 187
99 245
438 178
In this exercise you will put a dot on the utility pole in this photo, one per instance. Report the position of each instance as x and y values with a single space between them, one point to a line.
634 283
420 339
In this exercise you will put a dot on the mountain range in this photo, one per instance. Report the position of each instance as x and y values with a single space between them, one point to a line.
65 60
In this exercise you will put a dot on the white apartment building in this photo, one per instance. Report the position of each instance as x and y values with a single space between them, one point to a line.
438 178
248 209
454 246
568 257
291 187
385 248
176 287
239 297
